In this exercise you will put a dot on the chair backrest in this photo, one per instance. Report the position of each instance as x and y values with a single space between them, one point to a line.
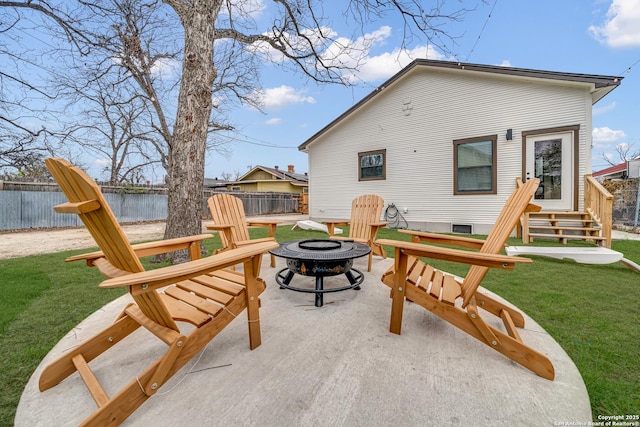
365 210
228 209
513 208
87 201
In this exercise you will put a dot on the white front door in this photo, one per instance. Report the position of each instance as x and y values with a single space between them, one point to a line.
550 158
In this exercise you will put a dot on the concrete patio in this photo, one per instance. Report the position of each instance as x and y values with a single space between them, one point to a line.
336 365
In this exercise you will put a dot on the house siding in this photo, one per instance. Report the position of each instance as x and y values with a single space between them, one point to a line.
416 119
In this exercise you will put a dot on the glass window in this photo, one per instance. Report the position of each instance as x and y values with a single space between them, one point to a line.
474 165
372 165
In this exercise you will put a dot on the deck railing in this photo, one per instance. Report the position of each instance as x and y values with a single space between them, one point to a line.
599 203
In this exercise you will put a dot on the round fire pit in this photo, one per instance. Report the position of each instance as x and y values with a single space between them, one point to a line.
320 258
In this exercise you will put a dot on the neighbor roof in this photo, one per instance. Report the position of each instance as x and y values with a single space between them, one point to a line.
294 178
602 85
611 170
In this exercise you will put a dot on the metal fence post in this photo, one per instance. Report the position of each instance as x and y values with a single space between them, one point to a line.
635 218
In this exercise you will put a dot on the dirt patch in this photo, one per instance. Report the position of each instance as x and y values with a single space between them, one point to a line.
36 242
24 243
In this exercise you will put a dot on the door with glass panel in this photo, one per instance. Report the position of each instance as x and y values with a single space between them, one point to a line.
550 158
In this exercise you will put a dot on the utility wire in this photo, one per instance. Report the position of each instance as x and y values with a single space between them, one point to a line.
628 69
482 30
244 139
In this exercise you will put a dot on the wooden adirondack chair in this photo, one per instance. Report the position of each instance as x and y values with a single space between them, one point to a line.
457 300
200 292
231 223
366 211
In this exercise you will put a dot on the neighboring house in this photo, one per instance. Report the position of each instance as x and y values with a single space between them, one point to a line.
628 169
215 183
262 179
633 168
445 142
612 172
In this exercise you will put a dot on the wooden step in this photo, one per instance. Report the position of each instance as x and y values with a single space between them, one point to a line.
564 237
559 214
562 226
561 221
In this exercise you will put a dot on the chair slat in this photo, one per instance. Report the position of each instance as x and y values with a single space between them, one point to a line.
436 284
205 291
425 276
415 269
193 300
220 283
450 290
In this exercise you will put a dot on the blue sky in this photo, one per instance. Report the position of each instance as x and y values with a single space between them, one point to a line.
578 36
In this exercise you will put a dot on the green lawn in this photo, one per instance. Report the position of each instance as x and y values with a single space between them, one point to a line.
593 311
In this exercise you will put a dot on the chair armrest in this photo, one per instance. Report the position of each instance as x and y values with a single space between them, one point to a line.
379 224
504 262
331 225
444 239
262 223
271 225
224 229
153 279
339 222
217 227
254 241
149 248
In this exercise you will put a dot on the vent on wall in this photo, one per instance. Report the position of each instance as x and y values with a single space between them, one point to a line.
462 228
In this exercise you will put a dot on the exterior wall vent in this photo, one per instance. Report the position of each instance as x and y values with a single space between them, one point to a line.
462 228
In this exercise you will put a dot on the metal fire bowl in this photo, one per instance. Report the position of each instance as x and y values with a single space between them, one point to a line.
320 257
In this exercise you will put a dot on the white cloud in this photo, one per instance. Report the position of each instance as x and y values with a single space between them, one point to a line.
622 25
604 109
165 68
282 96
505 63
245 9
387 64
605 137
356 54
273 121
101 163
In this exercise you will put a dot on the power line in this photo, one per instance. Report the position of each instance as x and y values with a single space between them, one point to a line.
243 139
628 69
482 30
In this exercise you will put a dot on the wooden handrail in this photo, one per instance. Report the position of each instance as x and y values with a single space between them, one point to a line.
599 203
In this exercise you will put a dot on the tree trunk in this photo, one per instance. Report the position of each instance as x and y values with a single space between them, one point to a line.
187 150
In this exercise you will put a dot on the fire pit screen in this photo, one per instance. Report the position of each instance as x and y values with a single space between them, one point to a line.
320 258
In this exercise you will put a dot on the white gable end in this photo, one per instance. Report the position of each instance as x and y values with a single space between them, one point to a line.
417 118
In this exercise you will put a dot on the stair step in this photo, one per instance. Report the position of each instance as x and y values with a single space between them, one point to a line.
562 226
566 236
561 220
559 213
559 227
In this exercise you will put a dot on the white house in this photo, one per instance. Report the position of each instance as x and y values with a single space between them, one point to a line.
445 142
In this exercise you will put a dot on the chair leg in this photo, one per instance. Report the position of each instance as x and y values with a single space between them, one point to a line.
398 292
480 330
90 349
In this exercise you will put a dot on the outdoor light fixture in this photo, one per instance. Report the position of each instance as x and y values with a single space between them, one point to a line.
509 134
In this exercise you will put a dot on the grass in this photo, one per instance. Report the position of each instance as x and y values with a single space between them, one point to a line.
591 310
